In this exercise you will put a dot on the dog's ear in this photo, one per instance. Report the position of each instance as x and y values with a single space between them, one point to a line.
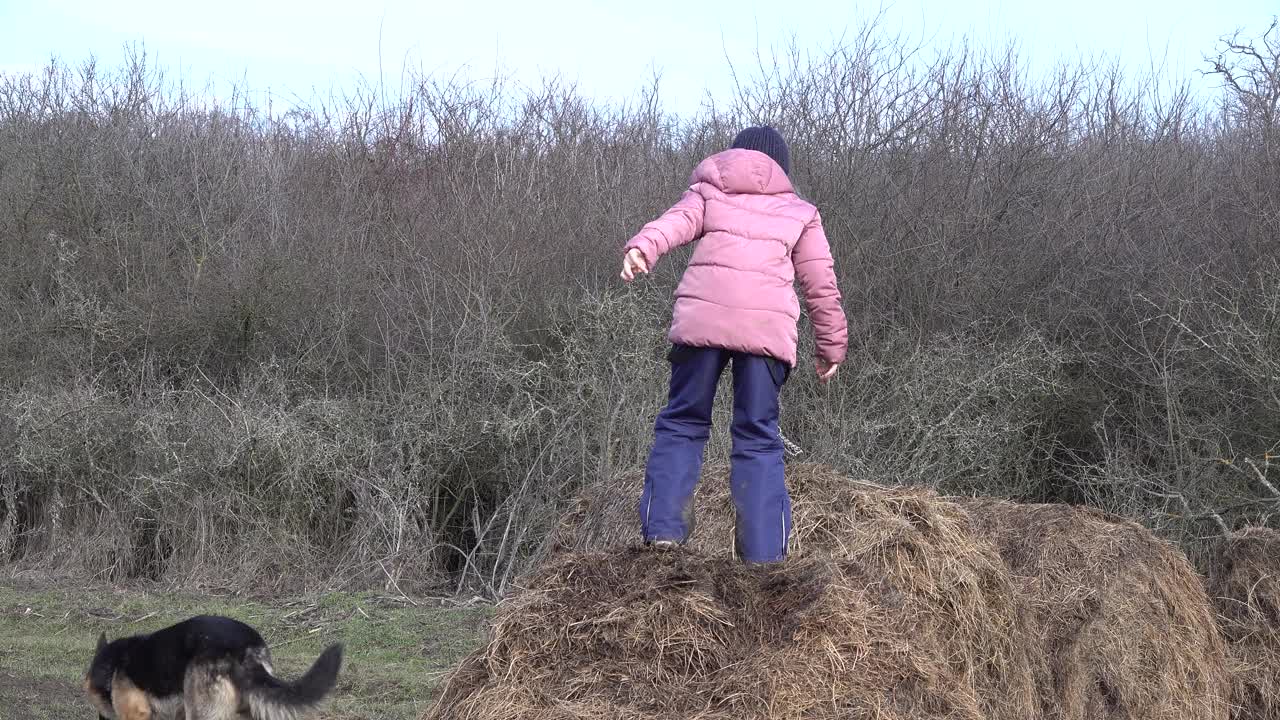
102 642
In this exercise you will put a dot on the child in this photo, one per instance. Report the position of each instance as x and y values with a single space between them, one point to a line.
736 302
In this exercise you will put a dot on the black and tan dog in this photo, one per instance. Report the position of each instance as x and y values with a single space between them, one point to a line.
205 668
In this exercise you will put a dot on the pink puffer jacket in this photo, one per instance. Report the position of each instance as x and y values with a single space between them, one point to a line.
757 238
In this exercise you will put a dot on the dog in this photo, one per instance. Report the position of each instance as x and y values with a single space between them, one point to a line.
208 667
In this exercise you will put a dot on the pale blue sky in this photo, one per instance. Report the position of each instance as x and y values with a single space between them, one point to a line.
297 47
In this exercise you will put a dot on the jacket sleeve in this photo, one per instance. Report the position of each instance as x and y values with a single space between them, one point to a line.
815 269
681 224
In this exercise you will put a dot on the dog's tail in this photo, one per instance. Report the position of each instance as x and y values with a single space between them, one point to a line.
270 698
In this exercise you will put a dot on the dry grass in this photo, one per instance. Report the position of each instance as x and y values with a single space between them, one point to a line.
1244 581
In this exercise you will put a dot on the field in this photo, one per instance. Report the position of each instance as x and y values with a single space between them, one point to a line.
396 653
377 341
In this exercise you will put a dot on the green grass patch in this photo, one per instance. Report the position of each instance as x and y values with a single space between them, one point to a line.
396 656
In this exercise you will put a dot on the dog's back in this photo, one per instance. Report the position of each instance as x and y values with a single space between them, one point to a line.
158 662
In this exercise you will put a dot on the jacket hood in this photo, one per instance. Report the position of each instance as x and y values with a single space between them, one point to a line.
743 171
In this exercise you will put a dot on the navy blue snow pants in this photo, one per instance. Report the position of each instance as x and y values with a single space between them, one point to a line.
763 524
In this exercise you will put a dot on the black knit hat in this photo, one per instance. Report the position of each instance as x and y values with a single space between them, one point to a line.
766 140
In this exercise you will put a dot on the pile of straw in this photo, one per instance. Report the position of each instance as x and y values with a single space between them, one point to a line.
1119 617
903 615
894 604
1244 581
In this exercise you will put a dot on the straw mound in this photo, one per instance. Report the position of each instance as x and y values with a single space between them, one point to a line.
904 615
1244 581
1120 616
895 603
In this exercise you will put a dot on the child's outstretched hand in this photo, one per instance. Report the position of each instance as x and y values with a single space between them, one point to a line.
826 370
632 263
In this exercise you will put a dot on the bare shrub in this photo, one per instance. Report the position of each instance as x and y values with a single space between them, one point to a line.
379 340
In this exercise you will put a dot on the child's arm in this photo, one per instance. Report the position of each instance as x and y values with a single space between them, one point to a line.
815 269
677 226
